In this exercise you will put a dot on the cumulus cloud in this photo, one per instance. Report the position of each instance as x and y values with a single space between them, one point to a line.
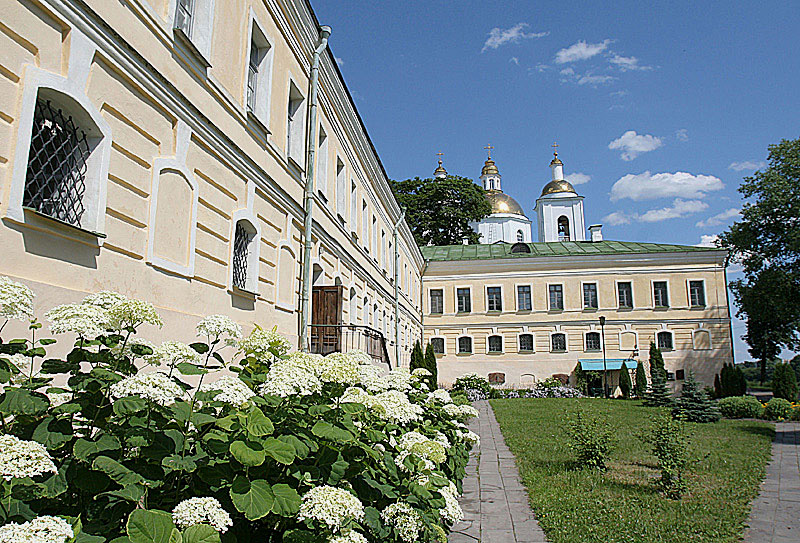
707 241
679 209
632 144
515 60
339 61
626 64
682 135
617 218
568 75
647 186
515 34
580 51
747 165
578 178
720 218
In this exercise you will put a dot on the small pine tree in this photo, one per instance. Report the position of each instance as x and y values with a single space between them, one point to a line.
625 382
659 394
717 387
694 405
417 358
430 365
640 387
784 382
741 382
580 379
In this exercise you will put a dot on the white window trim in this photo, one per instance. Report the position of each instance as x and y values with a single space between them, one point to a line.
202 27
628 331
471 300
322 167
486 298
284 244
533 342
563 297
264 83
341 187
653 293
670 332
566 341
616 295
255 253
516 295
502 344
352 297
599 334
429 300
444 347
689 294
597 291
354 206
472 344
296 152
694 341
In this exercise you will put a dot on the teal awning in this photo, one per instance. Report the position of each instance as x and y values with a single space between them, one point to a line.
611 364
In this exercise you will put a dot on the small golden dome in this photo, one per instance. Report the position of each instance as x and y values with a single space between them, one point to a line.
556 161
489 168
503 203
440 169
561 185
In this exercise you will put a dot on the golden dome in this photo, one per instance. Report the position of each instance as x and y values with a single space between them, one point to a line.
489 167
562 185
503 203
440 169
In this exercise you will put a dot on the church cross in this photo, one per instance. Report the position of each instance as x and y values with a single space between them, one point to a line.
555 148
489 149
440 155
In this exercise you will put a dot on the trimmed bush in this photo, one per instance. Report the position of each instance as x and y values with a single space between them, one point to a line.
784 382
591 440
640 386
694 405
659 394
474 386
741 407
778 409
732 381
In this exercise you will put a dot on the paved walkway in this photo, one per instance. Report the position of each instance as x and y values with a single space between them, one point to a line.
495 503
775 517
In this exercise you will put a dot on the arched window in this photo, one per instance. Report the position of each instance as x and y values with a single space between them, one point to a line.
520 236
558 342
593 341
563 228
664 340
464 345
495 344
245 266
526 343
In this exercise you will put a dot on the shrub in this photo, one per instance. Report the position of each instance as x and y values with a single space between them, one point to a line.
625 382
784 382
417 358
591 439
694 405
284 445
778 409
670 441
732 381
430 365
474 386
741 407
640 384
659 394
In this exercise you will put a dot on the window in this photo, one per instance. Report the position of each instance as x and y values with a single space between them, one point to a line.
244 262
321 175
660 295
374 236
520 236
383 249
438 345
590 295
193 25
593 341
437 301
341 189
563 228
258 75
353 206
464 345
625 295
558 342
556 293
697 294
494 299
295 122
526 343
364 224
183 17
463 297
524 298
495 344
680 375
664 340
252 77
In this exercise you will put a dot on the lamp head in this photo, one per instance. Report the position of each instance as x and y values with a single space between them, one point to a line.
602 320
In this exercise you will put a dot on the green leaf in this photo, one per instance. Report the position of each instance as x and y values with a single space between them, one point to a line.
116 471
200 533
329 431
56 484
287 500
84 449
129 405
302 536
176 463
200 348
316 410
47 341
187 368
53 433
258 424
248 454
18 401
254 499
150 527
83 537
280 451
54 365
301 449
130 493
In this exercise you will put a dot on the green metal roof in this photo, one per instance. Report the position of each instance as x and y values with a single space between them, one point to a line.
557 248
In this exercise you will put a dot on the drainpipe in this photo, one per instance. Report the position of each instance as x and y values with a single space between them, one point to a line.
397 290
308 202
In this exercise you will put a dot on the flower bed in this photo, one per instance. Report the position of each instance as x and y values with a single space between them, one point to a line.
270 445
476 388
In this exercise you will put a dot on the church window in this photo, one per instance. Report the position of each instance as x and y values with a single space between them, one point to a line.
697 294
495 344
494 299
625 295
660 295
590 295
464 299
464 345
520 236
526 343
563 228
558 342
524 298
664 340
437 343
437 301
520 248
556 295
593 341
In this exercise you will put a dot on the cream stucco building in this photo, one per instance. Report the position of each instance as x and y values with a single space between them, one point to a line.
161 148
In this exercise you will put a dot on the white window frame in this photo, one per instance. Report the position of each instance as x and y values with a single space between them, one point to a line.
256 34
566 341
341 188
444 345
321 172
585 345
689 294
200 37
254 254
653 293
533 342
430 290
486 298
353 206
563 297
694 340
455 295
597 292
471 344
502 346
296 129
636 343
616 295
364 224
671 333
516 296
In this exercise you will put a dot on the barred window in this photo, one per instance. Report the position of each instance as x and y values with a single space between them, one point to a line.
437 343
526 342
495 344
593 341
558 342
664 340
55 181
464 344
242 250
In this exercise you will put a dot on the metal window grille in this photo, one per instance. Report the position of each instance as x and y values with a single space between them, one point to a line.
241 246
559 342
665 340
526 342
437 301
494 302
556 297
252 77
183 17
465 344
464 301
593 341
55 181
625 295
438 345
660 294
495 344
524 297
590 296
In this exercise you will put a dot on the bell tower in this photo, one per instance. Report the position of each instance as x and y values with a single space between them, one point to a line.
490 175
559 209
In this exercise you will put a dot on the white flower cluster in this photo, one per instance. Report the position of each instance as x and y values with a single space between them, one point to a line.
469 436
171 353
286 379
350 537
202 510
87 321
460 412
373 380
155 387
104 299
331 506
360 357
420 372
404 519
16 300
45 529
395 406
439 395
265 345
58 398
442 439
230 390
128 312
451 512
19 360
20 458
341 368
219 326
429 451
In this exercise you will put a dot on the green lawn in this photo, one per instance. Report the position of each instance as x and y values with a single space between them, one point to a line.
622 504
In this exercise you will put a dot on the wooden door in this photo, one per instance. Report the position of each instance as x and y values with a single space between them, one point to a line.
326 303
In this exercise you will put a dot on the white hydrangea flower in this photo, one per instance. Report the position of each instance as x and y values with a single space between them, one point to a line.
469 436
104 299
420 372
171 353
350 537
202 510
218 326
396 407
264 345
451 512
439 395
20 458
88 321
405 520
338 368
44 529
309 362
156 387
286 379
331 506
21 361
441 438
460 412
371 378
429 451
399 379
230 390
360 357
58 398
16 300
128 312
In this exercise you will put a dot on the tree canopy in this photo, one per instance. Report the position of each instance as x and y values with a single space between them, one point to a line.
439 210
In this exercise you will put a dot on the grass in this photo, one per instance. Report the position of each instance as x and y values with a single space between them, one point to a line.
622 504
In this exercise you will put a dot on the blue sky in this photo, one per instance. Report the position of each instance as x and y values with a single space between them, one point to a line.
661 109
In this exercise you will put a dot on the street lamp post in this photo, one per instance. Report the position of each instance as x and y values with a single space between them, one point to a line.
603 339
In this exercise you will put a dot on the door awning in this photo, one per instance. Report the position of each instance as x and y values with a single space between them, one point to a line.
611 364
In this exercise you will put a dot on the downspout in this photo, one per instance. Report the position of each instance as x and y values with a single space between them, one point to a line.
397 290
308 201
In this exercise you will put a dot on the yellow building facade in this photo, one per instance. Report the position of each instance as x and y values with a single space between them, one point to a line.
160 148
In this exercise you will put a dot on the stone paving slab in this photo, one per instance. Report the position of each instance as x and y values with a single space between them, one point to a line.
775 516
495 504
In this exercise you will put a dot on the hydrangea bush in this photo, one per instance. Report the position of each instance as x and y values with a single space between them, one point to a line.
475 388
230 439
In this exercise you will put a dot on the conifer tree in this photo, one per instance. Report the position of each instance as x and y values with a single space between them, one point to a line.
717 387
625 382
640 386
784 382
694 405
659 390
430 365
417 358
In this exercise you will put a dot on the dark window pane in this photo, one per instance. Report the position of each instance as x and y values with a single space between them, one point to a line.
464 300
524 298
438 345
559 342
526 342
437 301
660 296
590 296
593 341
697 294
664 340
465 344
494 300
625 293
495 344
556 297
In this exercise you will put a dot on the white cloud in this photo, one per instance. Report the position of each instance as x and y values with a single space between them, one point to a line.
682 135
619 93
580 51
707 241
542 67
679 208
746 165
499 36
632 144
515 60
578 178
616 218
647 186
720 218
339 61
626 64
568 75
